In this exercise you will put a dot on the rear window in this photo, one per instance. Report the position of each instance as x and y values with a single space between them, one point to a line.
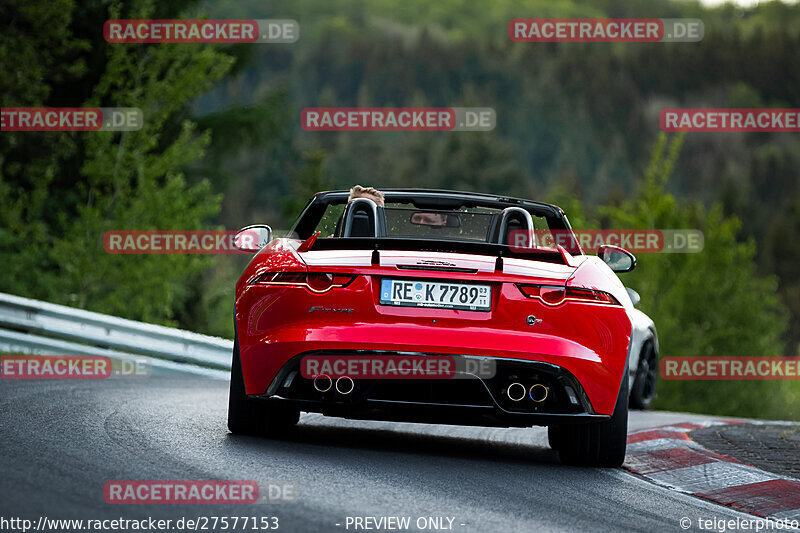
472 225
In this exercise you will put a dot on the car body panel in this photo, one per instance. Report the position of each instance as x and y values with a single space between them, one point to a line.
589 340
590 344
644 331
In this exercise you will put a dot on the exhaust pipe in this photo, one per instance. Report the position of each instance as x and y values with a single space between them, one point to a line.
323 383
538 393
345 385
515 392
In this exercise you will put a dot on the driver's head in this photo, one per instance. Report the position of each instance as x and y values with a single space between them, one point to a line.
367 192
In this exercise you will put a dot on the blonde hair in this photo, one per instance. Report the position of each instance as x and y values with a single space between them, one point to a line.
367 192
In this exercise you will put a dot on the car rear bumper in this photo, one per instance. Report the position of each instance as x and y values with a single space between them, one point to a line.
439 414
595 376
465 399
589 341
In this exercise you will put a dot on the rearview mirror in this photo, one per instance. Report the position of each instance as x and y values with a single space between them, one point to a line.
436 220
618 259
253 238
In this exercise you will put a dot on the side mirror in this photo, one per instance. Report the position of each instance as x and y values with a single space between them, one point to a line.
253 238
633 295
618 259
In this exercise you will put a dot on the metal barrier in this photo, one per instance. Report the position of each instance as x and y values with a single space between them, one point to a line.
32 326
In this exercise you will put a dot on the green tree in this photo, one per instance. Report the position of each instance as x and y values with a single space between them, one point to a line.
707 303
62 191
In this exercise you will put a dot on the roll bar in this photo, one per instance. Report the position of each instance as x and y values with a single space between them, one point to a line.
507 212
350 211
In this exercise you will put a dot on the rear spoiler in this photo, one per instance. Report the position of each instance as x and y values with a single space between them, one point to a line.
569 259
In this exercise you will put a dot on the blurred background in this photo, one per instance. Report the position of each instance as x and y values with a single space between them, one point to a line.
577 125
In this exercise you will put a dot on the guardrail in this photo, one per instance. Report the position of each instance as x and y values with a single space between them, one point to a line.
32 326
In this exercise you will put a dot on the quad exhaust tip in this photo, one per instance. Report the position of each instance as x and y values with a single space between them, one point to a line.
538 393
323 383
516 392
344 385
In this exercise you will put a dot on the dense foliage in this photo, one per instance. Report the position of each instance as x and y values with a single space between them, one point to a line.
576 123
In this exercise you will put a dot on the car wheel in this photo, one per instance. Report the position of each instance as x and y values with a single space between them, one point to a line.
644 384
251 417
598 443
555 436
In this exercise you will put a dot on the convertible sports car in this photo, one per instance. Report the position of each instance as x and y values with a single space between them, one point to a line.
494 327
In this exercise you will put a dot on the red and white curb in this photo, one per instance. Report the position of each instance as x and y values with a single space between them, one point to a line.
667 456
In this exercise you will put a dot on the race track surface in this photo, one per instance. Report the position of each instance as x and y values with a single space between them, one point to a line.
63 440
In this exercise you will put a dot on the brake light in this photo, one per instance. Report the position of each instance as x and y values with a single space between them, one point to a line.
313 281
552 295
555 295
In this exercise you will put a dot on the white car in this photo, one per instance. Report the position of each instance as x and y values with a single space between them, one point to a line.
643 369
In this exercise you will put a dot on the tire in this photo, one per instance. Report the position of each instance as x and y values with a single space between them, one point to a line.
252 417
643 390
555 436
597 443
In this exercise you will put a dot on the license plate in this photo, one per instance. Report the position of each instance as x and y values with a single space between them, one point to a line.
413 293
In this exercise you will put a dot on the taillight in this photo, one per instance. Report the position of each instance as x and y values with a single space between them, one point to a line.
556 295
591 295
549 294
313 281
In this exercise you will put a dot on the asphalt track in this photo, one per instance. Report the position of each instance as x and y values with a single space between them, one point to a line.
63 440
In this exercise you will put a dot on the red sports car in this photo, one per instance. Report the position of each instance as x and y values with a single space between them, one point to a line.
439 307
